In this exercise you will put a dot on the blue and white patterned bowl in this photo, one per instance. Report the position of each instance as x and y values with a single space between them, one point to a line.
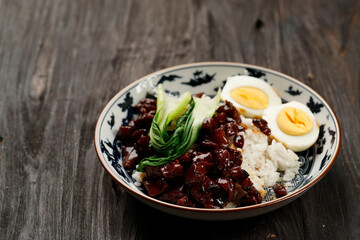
208 77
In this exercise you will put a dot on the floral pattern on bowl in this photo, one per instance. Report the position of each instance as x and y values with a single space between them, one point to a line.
208 77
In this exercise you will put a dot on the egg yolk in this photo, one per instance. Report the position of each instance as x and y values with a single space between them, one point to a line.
250 97
294 121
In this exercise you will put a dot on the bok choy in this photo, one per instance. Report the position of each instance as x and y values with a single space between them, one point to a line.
176 125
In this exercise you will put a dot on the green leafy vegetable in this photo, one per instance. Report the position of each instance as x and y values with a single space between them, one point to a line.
188 113
168 108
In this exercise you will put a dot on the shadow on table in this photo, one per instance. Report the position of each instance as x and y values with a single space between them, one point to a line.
149 223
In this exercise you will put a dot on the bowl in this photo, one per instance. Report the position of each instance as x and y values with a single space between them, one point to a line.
208 77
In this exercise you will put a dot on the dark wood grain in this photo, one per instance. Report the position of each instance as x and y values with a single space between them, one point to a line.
61 61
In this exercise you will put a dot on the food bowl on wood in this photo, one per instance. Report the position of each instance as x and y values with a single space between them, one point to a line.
208 77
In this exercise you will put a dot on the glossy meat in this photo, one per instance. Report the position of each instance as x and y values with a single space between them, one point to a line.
208 175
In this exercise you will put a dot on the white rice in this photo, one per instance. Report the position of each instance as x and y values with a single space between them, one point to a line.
264 161
138 177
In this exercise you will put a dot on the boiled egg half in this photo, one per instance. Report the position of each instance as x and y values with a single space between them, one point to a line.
250 95
292 124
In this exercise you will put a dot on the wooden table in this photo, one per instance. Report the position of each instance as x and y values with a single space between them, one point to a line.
62 61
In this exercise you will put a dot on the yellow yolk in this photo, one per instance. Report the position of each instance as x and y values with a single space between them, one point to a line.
250 97
294 121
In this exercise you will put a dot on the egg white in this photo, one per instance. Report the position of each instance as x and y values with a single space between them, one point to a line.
294 143
247 81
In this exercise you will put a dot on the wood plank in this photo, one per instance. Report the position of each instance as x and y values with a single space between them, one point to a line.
61 61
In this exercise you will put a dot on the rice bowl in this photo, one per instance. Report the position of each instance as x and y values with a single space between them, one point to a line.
314 164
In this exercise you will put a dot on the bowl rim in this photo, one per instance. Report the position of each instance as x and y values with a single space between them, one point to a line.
290 196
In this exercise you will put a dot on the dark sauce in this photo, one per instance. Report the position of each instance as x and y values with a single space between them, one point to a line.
279 190
204 177
262 125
